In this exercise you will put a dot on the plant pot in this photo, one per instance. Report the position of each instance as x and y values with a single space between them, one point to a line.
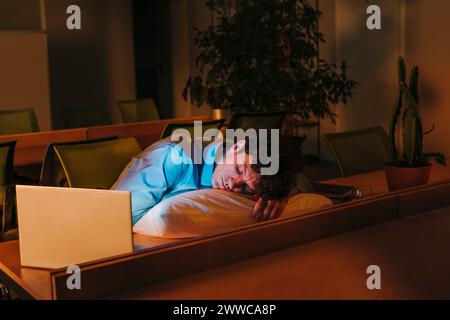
402 177
222 114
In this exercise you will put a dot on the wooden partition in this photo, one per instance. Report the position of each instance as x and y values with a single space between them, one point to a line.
145 133
418 199
162 264
117 275
30 148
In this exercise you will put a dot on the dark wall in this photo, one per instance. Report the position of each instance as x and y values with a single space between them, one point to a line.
94 66
152 34
19 15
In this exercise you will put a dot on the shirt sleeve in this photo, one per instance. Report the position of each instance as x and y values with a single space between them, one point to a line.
148 178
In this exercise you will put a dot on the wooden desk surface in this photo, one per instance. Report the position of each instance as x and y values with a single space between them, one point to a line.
413 254
377 180
35 283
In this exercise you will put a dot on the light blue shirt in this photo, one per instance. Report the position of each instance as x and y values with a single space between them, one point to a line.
155 174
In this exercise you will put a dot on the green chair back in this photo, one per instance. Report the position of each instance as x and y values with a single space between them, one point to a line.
257 120
52 172
18 121
138 110
83 118
359 151
7 189
172 126
96 165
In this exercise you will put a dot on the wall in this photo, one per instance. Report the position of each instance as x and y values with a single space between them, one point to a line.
372 56
94 66
416 29
180 56
428 45
199 17
24 78
185 16
19 15
120 55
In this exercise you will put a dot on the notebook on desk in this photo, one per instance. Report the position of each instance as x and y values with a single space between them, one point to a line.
337 193
59 227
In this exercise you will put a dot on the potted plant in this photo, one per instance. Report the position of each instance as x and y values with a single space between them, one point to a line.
411 167
265 57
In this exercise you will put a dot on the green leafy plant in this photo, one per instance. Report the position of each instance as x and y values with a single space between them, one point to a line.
264 57
407 112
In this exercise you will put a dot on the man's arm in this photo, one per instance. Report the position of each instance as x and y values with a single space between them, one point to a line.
148 178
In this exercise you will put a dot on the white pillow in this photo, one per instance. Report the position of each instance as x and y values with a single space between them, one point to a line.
203 212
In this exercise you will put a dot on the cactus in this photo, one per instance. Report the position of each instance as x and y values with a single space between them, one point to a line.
397 110
412 133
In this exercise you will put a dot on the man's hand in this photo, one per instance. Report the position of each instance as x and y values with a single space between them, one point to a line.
265 210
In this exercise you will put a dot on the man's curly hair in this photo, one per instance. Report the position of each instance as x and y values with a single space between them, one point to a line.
278 186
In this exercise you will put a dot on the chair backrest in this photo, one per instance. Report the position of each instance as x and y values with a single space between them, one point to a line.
172 126
96 165
18 121
7 190
89 117
359 151
257 120
138 110
52 172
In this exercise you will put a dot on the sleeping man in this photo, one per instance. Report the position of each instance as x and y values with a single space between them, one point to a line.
168 168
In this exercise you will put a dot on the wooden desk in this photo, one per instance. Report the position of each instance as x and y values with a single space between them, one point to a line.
33 283
377 180
157 261
413 255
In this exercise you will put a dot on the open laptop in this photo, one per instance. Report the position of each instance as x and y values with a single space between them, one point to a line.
59 227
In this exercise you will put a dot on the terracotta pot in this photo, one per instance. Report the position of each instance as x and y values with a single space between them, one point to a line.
401 177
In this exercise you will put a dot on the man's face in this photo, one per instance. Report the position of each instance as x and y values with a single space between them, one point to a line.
235 173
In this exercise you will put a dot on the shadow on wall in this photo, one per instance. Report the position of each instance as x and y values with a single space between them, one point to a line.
427 45
372 56
91 67
77 59
415 27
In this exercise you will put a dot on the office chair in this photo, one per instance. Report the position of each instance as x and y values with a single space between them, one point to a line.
95 165
359 151
18 121
257 120
138 110
52 173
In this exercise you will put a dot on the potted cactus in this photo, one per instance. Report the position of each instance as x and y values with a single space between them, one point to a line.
411 167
